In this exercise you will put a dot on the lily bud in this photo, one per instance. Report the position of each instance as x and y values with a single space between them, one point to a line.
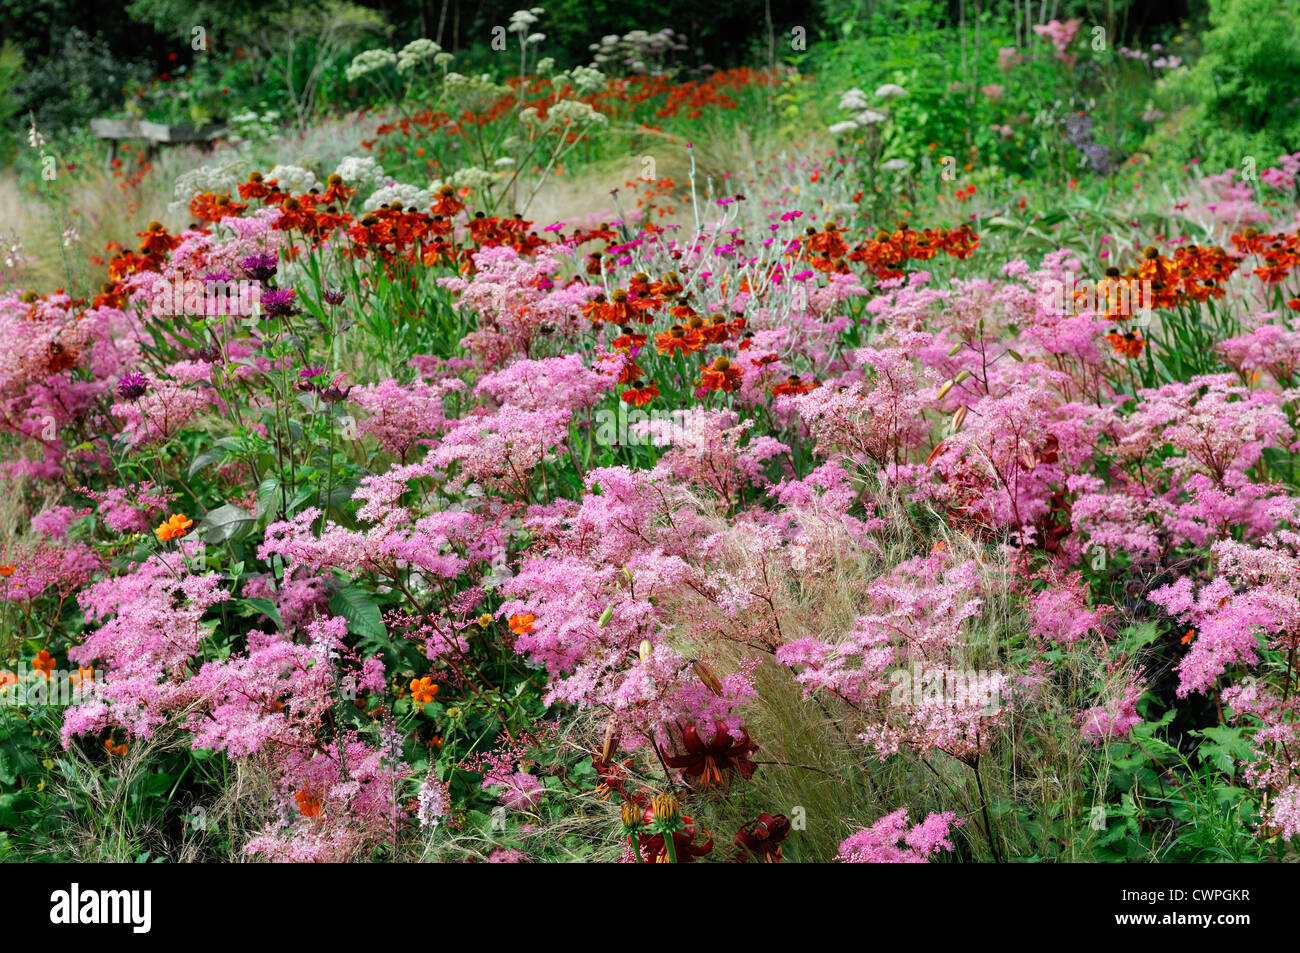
708 676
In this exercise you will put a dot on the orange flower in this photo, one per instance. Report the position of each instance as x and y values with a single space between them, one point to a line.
423 690
639 397
678 338
176 526
7 571
82 674
7 678
521 624
115 751
1129 344
43 662
721 375
793 384
308 804
1187 636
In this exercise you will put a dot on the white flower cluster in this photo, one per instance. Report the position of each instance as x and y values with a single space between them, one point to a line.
292 178
855 101
473 93
416 52
360 172
638 51
218 177
368 62
567 112
408 195
521 20
474 178
584 79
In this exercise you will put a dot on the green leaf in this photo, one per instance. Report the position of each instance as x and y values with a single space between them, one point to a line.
267 608
1225 747
225 522
356 605
204 459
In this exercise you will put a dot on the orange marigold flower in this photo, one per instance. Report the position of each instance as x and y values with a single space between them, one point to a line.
115 751
521 624
423 690
308 804
7 571
176 526
43 662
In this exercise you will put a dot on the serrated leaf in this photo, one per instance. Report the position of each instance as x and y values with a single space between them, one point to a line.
1225 747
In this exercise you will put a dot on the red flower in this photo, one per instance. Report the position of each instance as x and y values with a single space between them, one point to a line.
763 836
708 764
639 397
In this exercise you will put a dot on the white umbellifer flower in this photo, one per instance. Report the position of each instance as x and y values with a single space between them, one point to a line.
368 62
504 162
408 195
896 165
586 80
292 178
853 100
415 53
474 178
574 111
360 172
869 117
535 38
521 20
891 91
545 65
442 59
841 128
221 178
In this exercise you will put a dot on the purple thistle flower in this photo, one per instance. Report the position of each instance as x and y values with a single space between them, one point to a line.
132 386
334 296
261 266
279 302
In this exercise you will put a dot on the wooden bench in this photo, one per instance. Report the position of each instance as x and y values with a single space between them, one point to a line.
155 133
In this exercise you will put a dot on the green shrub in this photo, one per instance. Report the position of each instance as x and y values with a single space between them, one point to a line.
1242 97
